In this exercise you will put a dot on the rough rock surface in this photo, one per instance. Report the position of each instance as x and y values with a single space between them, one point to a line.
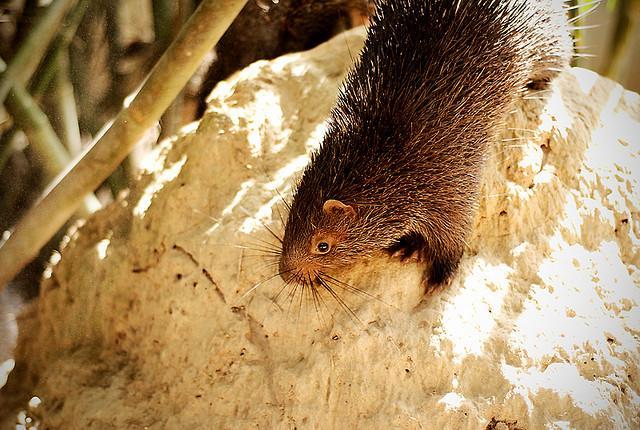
148 321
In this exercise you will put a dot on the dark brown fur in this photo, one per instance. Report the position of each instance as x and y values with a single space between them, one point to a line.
407 140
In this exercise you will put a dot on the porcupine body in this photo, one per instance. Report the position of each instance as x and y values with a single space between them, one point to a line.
400 166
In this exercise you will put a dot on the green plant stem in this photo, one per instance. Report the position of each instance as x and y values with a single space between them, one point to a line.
43 139
623 46
163 22
28 56
35 124
172 118
8 144
46 74
47 71
168 77
65 105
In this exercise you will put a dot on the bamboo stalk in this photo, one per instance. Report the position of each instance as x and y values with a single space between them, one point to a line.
28 56
170 74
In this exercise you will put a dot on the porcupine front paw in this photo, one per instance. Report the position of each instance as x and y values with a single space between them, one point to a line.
414 249
539 84
409 249
408 255
441 271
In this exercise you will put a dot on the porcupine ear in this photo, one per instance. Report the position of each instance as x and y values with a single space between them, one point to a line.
336 207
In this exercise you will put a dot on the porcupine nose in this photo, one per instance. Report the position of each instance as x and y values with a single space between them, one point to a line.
295 271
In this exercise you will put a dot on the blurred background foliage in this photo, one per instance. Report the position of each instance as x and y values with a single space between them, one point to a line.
610 39
105 48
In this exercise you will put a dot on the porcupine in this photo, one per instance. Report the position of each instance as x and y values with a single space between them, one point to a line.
400 166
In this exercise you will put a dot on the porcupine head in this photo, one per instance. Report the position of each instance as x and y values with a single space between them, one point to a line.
321 243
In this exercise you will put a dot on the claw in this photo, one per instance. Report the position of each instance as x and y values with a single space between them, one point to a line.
406 255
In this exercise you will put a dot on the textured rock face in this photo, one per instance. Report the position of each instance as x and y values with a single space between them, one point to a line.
149 319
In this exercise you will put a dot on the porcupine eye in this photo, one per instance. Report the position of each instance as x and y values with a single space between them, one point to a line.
323 247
